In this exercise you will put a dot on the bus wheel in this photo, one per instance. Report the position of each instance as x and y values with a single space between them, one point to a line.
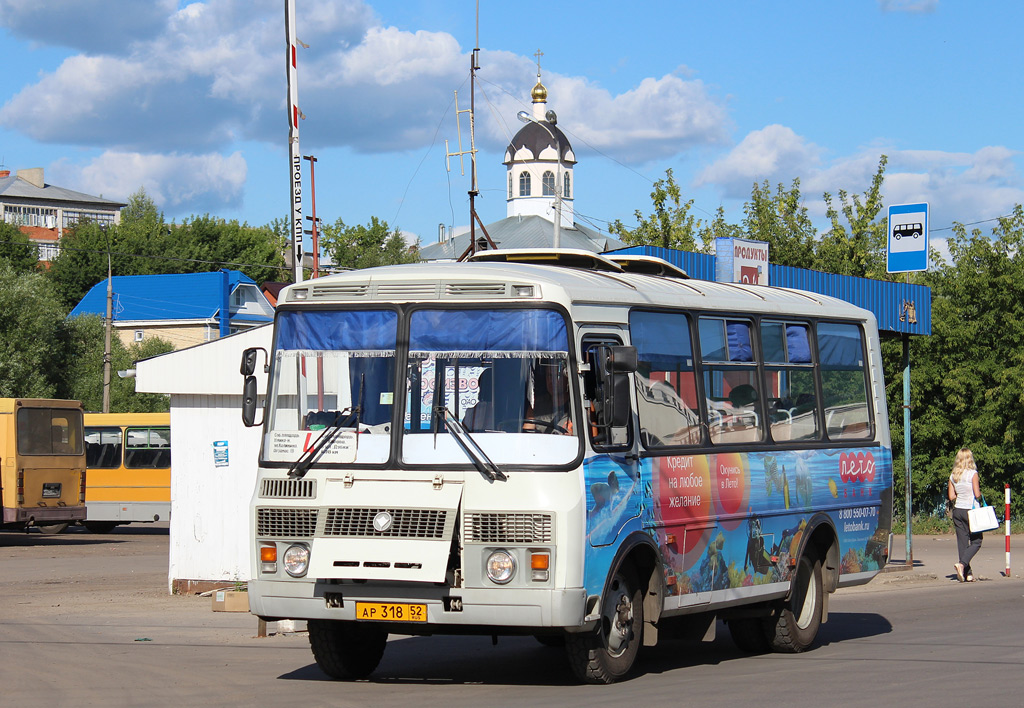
52 529
795 625
608 655
99 526
346 650
748 634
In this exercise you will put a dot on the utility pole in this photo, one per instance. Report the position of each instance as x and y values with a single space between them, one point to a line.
109 325
314 234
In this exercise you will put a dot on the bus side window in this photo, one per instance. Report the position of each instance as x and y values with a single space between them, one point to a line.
731 388
844 381
666 385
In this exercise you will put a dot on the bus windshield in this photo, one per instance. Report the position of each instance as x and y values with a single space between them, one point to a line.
502 373
328 364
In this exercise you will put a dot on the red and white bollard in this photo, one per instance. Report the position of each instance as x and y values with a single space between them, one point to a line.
1007 517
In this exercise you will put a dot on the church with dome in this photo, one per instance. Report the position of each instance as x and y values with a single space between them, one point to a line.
541 188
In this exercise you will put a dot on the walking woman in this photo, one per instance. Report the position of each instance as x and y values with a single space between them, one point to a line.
963 490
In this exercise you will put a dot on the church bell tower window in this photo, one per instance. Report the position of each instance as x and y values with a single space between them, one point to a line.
548 181
524 184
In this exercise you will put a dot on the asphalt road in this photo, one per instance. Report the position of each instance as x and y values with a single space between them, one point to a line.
86 620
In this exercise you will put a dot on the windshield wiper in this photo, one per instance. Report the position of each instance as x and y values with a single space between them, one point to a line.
473 451
301 466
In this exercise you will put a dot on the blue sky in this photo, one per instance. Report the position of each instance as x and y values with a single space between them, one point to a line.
188 101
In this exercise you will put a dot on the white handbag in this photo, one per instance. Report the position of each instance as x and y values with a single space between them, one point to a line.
982 518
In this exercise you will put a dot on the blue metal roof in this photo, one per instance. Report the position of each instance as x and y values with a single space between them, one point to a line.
888 301
177 296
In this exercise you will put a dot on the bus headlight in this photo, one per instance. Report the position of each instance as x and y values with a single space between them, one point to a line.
296 560
501 567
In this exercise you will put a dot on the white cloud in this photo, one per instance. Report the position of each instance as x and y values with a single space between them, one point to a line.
199 182
774 153
959 186
214 73
659 118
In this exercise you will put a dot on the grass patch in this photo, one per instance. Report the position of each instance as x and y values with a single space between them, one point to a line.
939 525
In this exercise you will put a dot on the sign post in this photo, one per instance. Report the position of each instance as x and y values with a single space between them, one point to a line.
907 251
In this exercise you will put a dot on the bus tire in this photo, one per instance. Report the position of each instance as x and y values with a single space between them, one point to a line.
794 626
52 529
748 634
346 650
608 655
99 526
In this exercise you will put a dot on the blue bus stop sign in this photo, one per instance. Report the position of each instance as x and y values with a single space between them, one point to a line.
907 243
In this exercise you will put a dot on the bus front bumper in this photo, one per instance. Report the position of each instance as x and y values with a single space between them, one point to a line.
485 610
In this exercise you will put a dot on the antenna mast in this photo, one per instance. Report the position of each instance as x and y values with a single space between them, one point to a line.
473 187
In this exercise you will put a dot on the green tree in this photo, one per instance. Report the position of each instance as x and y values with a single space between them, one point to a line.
83 354
968 376
16 249
216 244
858 246
781 220
32 336
719 228
82 261
671 225
359 246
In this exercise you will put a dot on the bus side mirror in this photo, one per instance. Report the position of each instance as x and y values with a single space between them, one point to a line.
249 401
621 360
615 365
249 391
248 366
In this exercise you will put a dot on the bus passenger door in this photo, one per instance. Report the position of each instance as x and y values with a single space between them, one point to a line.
612 476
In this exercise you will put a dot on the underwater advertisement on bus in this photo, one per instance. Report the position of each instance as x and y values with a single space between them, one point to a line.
736 519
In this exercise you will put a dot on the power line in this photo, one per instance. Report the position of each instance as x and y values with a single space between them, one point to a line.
972 223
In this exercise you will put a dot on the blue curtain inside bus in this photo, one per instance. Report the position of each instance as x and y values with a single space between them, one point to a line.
798 345
489 331
662 339
839 346
738 334
356 331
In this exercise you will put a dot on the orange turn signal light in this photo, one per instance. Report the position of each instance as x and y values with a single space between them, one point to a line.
539 561
268 554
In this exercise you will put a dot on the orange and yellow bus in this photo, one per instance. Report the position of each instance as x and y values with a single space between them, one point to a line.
128 456
42 462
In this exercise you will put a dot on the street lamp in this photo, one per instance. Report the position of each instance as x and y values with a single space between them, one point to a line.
527 118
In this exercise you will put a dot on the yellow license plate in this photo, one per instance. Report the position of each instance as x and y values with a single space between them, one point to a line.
391 612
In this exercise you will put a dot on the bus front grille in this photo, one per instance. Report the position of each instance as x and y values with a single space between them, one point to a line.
285 523
288 489
507 528
404 523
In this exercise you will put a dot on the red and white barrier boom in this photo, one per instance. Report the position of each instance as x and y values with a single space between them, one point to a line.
1007 517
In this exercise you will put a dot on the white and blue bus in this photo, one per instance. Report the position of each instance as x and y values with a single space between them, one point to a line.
557 444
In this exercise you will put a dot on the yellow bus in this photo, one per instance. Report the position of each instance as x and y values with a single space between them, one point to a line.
42 462
128 456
